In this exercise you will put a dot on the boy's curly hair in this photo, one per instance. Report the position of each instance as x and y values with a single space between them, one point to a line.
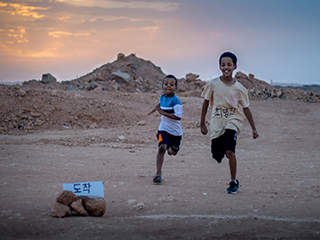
171 76
230 55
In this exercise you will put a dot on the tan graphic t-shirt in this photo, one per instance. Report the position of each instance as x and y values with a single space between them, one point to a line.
227 103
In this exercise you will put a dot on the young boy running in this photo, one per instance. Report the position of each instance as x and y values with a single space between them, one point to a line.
169 131
230 104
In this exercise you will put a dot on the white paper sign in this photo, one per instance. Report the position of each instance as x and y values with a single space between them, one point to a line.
86 189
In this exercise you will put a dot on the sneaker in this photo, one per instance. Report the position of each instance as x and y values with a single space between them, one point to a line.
157 179
233 188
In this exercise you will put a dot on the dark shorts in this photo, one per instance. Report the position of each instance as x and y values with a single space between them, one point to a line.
171 141
220 145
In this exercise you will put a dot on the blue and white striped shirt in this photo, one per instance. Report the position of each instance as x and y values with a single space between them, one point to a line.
171 105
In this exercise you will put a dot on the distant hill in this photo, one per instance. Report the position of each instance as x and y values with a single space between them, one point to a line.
308 88
10 83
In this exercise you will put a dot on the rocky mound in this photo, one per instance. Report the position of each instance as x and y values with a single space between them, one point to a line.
261 90
126 74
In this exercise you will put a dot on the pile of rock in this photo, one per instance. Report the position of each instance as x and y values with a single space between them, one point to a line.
191 85
67 204
249 81
261 90
126 74
284 94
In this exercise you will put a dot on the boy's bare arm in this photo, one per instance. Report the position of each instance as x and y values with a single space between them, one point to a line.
169 115
204 110
248 115
153 110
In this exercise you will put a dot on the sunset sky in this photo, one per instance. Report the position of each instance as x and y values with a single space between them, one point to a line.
275 40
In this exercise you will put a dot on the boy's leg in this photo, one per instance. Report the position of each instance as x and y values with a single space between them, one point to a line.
160 157
217 148
232 164
230 146
234 183
173 150
163 142
230 141
173 147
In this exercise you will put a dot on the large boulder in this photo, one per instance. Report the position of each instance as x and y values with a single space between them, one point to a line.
48 78
190 77
121 75
120 57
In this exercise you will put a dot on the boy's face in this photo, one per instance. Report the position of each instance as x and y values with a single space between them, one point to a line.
169 86
227 67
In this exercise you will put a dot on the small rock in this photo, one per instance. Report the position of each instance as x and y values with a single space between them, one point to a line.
78 208
95 207
22 93
120 56
132 202
94 125
251 76
34 114
98 89
93 85
39 122
116 87
60 210
121 138
141 123
135 204
69 89
66 197
279 93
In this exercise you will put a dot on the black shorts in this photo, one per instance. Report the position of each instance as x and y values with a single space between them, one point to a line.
220 145
171 141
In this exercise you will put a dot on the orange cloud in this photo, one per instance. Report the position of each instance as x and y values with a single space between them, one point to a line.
44 53
58 34
159 6
13 51
19 9
17 34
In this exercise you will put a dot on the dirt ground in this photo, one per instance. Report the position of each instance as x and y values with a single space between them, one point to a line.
279 193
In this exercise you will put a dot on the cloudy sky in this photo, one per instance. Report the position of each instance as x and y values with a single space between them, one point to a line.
276 40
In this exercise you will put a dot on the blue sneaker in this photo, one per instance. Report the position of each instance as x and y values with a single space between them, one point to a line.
157 179
233 188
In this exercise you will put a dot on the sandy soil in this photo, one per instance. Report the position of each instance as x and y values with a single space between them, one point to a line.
279 193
